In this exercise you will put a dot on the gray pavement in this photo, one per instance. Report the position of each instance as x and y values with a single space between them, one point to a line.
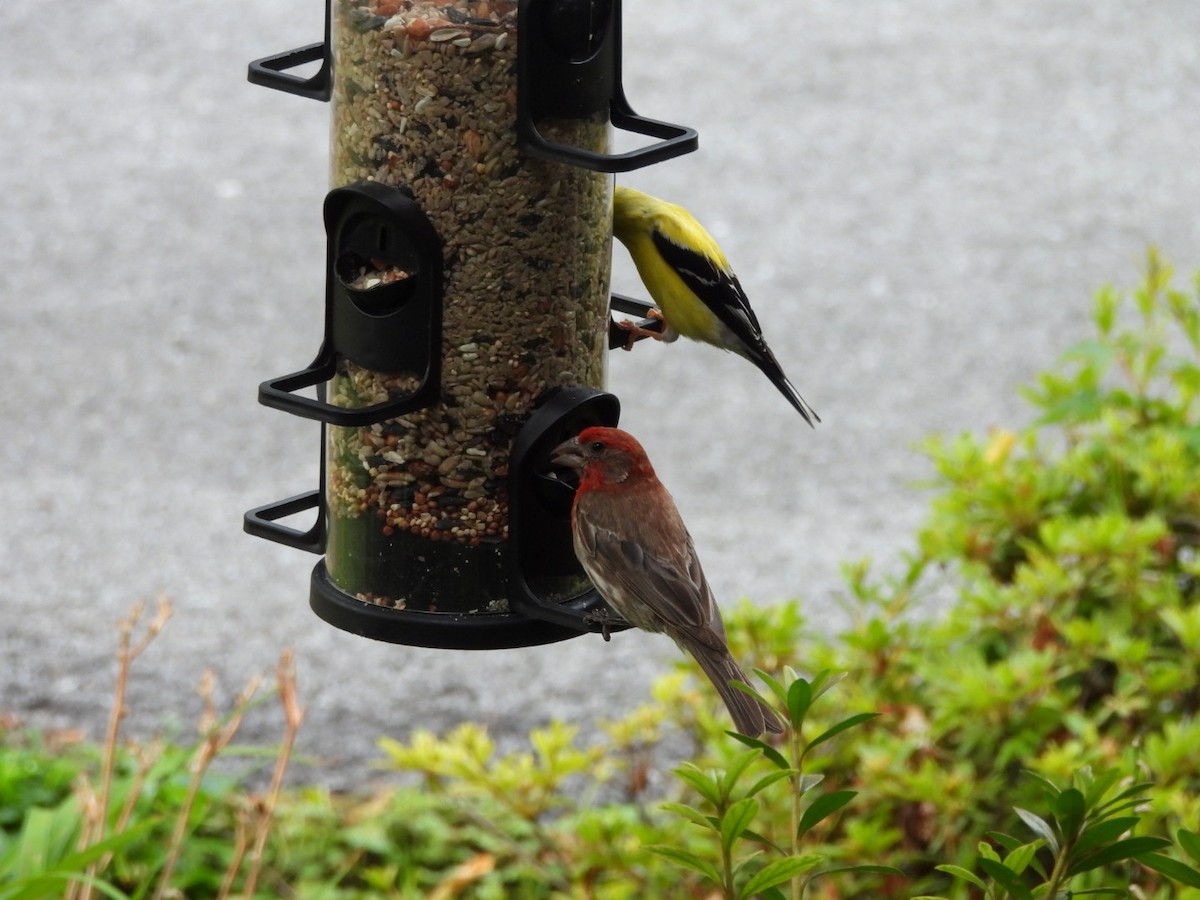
920 198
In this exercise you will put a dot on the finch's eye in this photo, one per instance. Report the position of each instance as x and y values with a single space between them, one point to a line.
596 446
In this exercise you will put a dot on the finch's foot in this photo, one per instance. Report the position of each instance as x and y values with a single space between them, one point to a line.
636 331
604 620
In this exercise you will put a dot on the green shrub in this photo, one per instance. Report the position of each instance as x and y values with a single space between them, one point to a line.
1065 555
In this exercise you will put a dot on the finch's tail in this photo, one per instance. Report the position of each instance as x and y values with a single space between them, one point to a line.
749 716
762 357
775 373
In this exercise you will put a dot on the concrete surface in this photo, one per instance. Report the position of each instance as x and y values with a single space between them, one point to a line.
920 197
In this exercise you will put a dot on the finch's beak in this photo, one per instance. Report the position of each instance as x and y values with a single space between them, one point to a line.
567 455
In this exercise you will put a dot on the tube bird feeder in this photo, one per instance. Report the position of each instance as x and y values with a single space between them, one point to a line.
467 310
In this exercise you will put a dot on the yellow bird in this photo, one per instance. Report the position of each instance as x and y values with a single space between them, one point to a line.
690 279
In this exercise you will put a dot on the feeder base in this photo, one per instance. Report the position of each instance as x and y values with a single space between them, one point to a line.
446 631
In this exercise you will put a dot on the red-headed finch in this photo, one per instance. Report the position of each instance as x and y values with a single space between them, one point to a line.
634 546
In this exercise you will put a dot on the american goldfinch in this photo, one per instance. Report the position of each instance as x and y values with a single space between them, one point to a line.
690 279
632 543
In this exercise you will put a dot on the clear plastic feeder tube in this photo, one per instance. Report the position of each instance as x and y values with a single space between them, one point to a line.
425 99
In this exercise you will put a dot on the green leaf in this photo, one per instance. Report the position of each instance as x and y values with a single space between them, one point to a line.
44 841
1105 310
746 862
1177 871
773 683
807 782
1068 810
1098 786
1102 833
1189 841
750 834
1126 849
692 815
38 851
1095 353
705 786
736 820
799 699
826 681
1010 843
730 779
1018 860
964 874
1036 864
1131 796
1084 779
688 861
779 871
1110 811
823 807
51 884
837 729
765 749
1052 790
769 779
1040 827
1006 878
1007 841
1083 405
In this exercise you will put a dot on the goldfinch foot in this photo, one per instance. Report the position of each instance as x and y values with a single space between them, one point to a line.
636 331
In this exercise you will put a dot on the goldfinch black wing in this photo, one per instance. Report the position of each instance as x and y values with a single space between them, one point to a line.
717 288
720 291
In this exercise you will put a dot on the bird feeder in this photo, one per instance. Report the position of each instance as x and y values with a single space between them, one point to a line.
467 310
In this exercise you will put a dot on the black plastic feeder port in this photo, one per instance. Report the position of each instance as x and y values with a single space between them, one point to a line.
570 69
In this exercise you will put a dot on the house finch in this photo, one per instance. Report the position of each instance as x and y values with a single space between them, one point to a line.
634 546
689 278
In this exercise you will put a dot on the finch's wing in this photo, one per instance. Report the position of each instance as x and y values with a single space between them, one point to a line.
720 291
670 585
717 288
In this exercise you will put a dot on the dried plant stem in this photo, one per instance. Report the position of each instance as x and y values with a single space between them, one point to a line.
215 736
146 758
85 795
293 712
241 843
96 817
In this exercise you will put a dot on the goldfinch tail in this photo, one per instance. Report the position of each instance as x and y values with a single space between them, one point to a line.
772 370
